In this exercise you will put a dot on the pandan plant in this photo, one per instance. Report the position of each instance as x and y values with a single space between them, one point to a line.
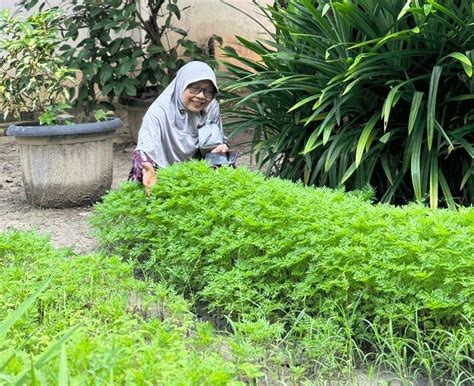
350 93
33 76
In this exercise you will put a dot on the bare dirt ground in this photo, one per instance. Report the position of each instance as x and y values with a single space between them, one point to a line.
69 227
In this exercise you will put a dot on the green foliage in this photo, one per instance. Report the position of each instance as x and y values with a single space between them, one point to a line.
295 256
364 92
101 115
111 56
30 370
131 331
33 76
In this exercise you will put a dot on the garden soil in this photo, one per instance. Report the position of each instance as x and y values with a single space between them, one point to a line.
69 227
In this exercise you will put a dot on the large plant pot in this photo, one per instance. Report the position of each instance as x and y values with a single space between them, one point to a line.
4 124
136 109
66 165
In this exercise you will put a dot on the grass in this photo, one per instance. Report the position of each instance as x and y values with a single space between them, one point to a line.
127 331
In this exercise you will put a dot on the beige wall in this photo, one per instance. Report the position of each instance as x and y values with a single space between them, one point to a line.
207 17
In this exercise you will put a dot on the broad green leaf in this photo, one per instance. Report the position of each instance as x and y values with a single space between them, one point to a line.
443 133
469 147
130 89
105 73
389 103
384 138
404 9
446 190
63 372
303 101
311 143
461 98
416 143
349 172
469 174
327 129
386 167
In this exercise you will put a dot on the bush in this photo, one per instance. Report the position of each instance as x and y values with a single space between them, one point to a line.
111 58
130 331
33 77
364 92
251 247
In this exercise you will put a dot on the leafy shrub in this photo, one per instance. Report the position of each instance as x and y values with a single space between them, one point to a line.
357 92
130 331
33 77
105 47
275 249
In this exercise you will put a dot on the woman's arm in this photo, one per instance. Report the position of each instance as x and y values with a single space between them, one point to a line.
215 116
220 149
149 176
143 170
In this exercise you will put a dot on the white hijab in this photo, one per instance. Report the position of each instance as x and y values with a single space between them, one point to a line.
169 132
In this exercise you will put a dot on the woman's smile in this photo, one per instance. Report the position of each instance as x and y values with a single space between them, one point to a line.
195 100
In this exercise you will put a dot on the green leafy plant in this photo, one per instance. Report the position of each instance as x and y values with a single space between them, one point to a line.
33 76
101 115
31 369
112 57
364 92
256 248
131 331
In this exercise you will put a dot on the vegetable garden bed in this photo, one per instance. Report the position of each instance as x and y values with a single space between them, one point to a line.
341 281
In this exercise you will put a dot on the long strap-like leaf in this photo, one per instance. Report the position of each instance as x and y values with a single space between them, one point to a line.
15 315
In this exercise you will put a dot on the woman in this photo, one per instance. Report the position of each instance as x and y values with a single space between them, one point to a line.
169 132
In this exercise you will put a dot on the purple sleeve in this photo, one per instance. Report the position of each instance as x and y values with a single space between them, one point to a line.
138 158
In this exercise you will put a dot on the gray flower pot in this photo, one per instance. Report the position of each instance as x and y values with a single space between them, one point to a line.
136 109
66 165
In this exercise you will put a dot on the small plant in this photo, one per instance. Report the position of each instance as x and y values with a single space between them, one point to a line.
101 115
33 76
30 369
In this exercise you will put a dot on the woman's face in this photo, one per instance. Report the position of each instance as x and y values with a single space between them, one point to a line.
198 95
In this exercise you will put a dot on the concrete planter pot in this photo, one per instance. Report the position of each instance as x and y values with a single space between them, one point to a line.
136 109
66 165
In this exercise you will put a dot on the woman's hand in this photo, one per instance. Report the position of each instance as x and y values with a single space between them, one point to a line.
222 148
149 176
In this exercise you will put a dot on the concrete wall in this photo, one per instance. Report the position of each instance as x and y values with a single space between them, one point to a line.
7 4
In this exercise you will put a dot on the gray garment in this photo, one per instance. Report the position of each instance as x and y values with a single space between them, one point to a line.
169 133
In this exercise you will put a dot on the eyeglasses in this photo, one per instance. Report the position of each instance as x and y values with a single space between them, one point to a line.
209 93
